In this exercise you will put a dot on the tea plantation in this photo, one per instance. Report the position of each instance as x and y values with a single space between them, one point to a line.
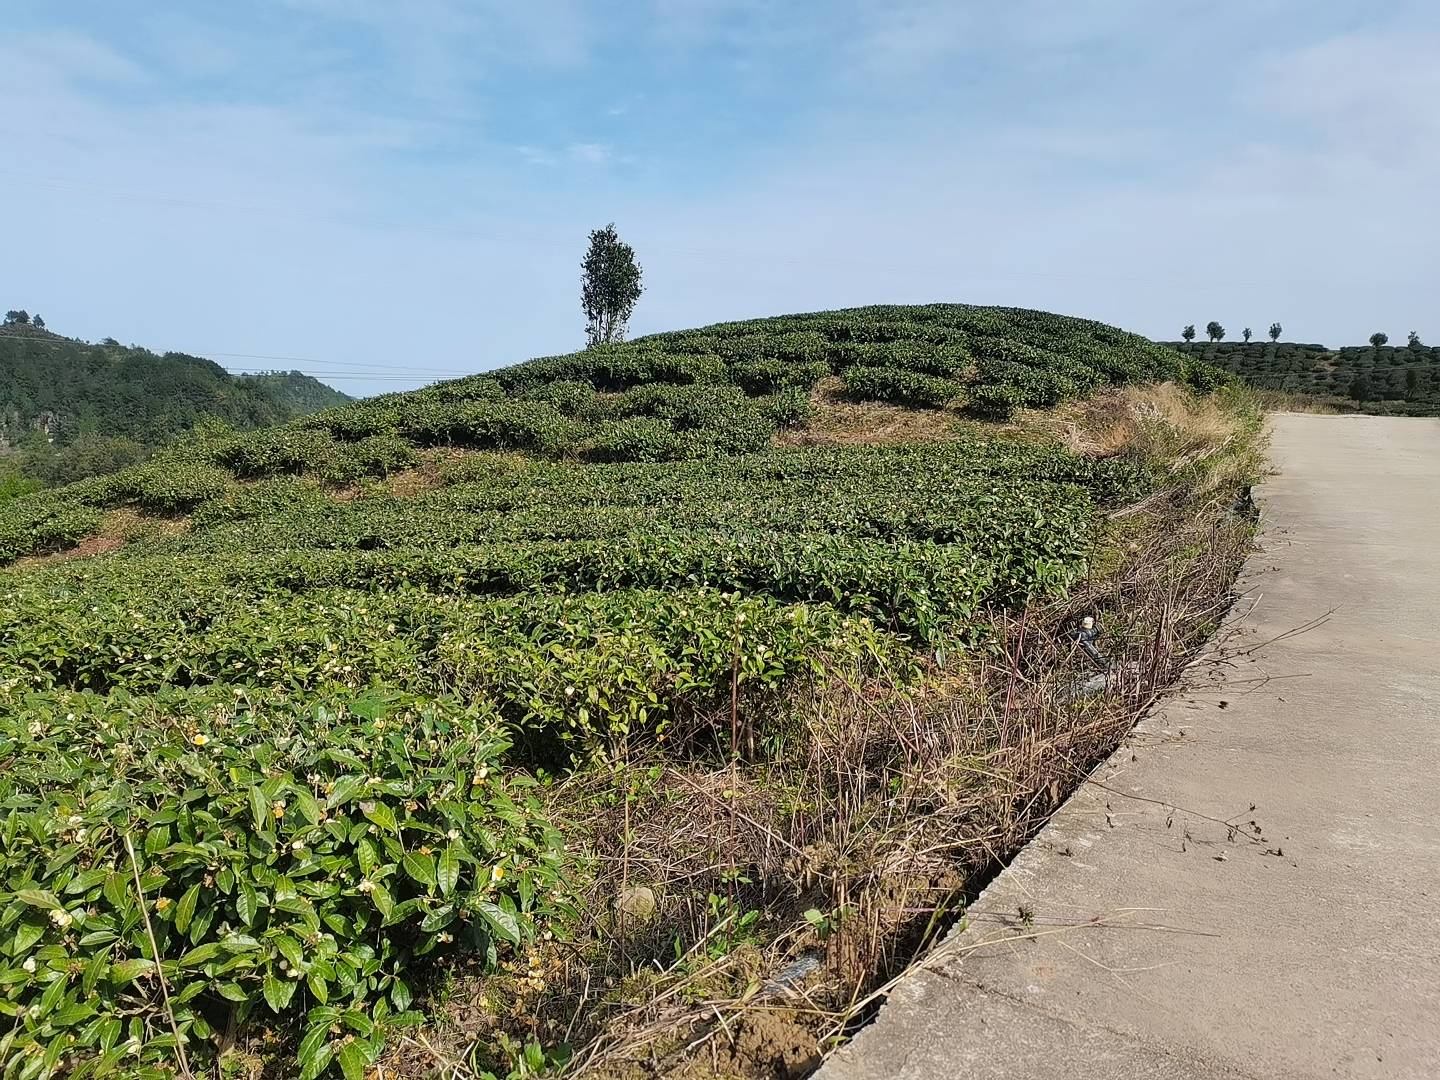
1389 380
262 763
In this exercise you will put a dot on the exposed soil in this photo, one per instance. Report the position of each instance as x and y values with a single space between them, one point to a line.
763 1044
91 545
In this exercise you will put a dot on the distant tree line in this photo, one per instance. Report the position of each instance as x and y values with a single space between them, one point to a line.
20 317
70 410
1216 332
1376 377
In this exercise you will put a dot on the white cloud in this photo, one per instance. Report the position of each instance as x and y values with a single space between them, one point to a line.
1368 94
589 153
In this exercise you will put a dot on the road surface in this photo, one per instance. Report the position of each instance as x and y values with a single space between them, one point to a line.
1159 946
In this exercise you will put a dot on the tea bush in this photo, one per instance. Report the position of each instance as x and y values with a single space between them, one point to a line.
294 856
902 387
35 524
164 485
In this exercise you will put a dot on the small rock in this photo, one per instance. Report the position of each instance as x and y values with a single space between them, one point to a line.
637 902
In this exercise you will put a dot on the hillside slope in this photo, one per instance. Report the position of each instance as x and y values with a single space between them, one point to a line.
67 389
716 391
1390 380
568 683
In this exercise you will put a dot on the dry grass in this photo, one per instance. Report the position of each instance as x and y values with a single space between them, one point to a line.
1162 421
1205 441
1285 401
839 421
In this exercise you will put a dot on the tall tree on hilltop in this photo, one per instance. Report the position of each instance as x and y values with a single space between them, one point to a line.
1378 339
610 286
1215 330
1188 333
16 318
1275 331
1414 340
1246 335
37 321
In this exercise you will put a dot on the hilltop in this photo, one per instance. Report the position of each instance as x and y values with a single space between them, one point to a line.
1391 380
573 702
121 402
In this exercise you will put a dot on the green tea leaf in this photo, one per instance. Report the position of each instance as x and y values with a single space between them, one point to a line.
247 903
277 992
501 921
352 1059
447 870
421 868
185 910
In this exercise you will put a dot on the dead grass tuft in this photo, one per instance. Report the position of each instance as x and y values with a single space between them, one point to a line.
1162 421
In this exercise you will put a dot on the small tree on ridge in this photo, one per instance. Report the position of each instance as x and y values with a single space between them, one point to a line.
1414 341
610 286
1246 335
1215 330
1379 339
1275 331
1188 333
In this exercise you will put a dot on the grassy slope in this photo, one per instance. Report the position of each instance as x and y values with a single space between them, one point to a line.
600 563
1402 381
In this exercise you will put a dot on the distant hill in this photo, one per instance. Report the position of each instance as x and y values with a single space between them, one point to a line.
115 403
1392 380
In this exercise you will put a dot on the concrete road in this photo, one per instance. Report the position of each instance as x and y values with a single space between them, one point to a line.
1161 946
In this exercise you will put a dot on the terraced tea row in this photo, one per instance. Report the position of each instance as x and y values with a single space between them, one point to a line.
694 395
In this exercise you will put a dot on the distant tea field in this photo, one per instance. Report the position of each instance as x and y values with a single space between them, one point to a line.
1389 380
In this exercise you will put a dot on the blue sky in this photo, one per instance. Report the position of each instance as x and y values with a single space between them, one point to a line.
396 192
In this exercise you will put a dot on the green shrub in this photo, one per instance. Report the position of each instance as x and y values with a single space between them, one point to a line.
519 425
356 421
570 396
768 375
995 401
294 858
165 485
789 408
685 407
637 438
274 496
923 357
901 387
287 451
38 523
381 455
